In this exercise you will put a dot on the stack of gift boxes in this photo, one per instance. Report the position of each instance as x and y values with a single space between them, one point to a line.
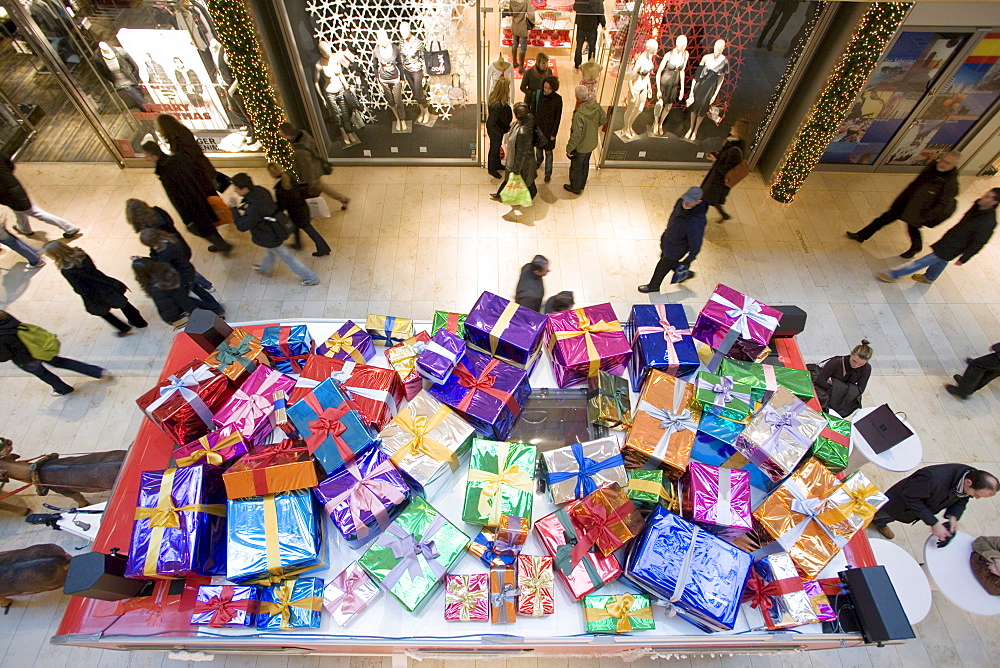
279 439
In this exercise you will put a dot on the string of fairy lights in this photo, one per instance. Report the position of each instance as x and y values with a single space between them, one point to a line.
876 29
236 33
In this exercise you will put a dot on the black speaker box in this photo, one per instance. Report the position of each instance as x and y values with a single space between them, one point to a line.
101 576
876 605
792 322
207 329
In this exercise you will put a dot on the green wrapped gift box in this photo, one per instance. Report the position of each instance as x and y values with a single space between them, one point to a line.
765 379
608 403
723 396
648 489
501 481
453 322
834 443
617 613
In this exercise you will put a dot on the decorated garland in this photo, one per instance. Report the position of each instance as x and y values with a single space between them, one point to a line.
877 27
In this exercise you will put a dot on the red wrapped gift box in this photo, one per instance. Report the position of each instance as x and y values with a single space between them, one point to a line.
184 404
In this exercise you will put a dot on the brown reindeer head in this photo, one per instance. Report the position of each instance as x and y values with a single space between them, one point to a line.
7 450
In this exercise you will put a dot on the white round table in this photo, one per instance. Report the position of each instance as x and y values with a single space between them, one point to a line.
903 456
951 572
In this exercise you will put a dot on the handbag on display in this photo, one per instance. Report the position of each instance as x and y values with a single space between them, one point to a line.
357 119
436 60
223 214
456 93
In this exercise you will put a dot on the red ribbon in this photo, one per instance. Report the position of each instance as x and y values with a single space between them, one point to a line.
484 383
223 607
836 437
328 425
452 323
294 360
760 591
594 525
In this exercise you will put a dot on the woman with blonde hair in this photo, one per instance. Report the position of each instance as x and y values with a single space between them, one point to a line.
290 198
733 152
841 381
100 292
498 120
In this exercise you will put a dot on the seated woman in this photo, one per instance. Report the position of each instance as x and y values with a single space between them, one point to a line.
842 380
986 563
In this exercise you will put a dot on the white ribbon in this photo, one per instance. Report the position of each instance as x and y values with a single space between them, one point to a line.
684 575
344 374
182 384
437 349
770 381
376 395
811 507
751 310
307 383
724 508
670 423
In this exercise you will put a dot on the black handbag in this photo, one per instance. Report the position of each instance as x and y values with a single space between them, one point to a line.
437 62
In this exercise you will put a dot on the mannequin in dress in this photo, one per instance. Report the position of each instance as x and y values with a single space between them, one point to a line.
390 77
120 71
331 84
670 82
705 87
639 87
411 54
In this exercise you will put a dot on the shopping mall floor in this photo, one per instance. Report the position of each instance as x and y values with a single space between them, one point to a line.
423 238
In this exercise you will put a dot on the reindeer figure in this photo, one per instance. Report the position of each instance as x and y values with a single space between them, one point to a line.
69 476
31 570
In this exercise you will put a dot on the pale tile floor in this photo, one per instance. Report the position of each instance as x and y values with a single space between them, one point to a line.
420 238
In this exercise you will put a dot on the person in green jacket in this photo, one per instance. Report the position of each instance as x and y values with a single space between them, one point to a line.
588 118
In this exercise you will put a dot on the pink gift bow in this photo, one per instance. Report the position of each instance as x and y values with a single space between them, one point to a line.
787 422
183 383
367 494
250 412
671 335
742 315
348 582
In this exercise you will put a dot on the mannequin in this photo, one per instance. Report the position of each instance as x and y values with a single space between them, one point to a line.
498 69
189 82
228 89
670 82
411 55
639 87
590 72
120 70
705 87
332 86
390 78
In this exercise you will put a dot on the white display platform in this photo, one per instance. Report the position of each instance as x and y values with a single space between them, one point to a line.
949 568
904 456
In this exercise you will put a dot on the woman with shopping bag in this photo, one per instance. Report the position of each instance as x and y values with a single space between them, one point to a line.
518 187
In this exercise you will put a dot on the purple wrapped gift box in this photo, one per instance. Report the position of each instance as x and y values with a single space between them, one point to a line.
717 499
729 317
251 408
583 341
350 342
438 359
500 327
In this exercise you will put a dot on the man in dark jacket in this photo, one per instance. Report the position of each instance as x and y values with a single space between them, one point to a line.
928 201
589 18
308 167
681 241
259 215
962 241
978 374
927 491
13 195
530 289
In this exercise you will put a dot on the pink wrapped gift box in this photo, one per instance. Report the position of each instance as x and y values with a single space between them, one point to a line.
251 408
584 341
717 499
729 317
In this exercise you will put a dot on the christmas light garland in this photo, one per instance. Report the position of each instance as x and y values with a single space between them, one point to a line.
238 35
877 27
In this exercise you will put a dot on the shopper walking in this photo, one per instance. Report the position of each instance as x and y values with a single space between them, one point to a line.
13 350
522 20
732 153
520 153
100 292
533 77
530 289
164 286
289 197
559 302
309 168
962 241
681 242
546 106
588 118
259 215
35 261
979 373
841 381
13 195
589 19
928 201
498 119
164 247
142 216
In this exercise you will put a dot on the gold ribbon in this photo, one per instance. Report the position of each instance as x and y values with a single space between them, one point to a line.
647 486
500 325
512 476
210 453
587 331
535 586
283 606
458 592
166 516
336 343
272 550
422 444
619 608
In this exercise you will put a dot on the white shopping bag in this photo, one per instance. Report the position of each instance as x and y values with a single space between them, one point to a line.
318 207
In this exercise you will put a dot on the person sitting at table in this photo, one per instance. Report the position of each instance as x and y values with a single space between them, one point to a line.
927 491
985 561
841 381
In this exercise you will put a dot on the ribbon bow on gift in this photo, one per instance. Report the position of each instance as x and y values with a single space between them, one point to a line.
514 534
226 354
671 336
723 391
596 525
344 343
484 383
858 500
422 445
788 423
182 384
458 591
490 505
535 581
751 311
563 558
406 548
296 362
818 510
212 454
251 411
499 600
328 424
346 597
670 423
223 607
284 604
587 468
760 593
619 608
587 331
368 493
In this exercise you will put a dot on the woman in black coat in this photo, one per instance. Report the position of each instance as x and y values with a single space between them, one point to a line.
163 285
12 350
498 119
140 216
732 153
520 151
164 247
100 292
843 379
288 194
546 106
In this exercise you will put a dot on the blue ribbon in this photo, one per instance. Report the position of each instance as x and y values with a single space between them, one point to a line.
587 469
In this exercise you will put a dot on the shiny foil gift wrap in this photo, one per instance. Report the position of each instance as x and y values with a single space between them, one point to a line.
559 536
806 525
720 428
821 604
700 575
661 339
648 489
251 408
226 605
376 392
487 392
467 598
535 580
618 613
503 594
425 439
317 369
183 405
332 430
294 604
349 594
780 434
708 450
350 342
217 448
288 346
730 317
499 327
439 358
452 322
388 330
501 481
664 422
363 496
281 467
499 546
717 499
608 402
413 554
858 499
723 396
765 379
238 356
179 524
605 520
583 341
273 536
776 591
576 470
403 359
833 445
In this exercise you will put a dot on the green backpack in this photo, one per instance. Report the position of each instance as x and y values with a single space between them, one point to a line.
41 343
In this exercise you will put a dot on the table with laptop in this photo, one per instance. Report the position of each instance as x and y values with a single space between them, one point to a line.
882 437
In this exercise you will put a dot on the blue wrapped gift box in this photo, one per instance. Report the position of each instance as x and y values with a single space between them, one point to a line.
709 450
661 339
319 416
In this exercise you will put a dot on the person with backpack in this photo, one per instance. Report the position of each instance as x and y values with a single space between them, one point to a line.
30 347
841 381
732 156
258 214
289 197
308 166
